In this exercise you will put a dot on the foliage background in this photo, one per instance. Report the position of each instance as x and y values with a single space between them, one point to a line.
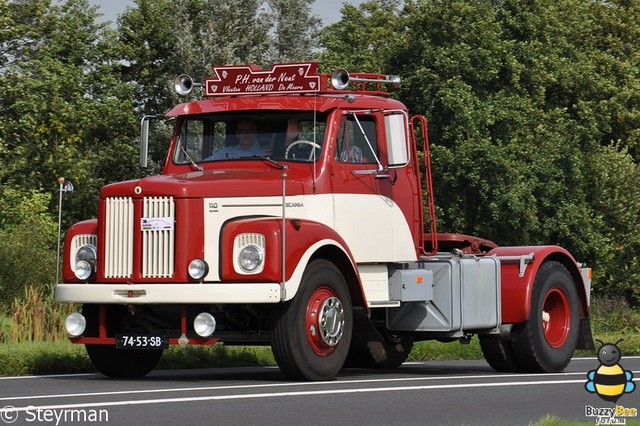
533 106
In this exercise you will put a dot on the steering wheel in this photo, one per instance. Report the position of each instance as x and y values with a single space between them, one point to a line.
303 142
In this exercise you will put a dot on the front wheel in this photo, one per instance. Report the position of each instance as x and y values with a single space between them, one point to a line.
123 363
548 339
312 332
114 362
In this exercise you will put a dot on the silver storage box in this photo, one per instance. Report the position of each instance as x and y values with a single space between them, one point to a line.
466 296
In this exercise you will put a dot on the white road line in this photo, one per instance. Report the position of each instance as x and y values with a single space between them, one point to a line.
297 384
426 363
47 376
285 394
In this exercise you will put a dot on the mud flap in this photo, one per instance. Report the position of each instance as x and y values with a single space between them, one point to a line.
370 349
585 338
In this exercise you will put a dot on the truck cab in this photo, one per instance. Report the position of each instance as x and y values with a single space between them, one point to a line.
290 213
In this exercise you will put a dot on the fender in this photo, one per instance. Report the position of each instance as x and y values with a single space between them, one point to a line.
85 227
304 240
516 291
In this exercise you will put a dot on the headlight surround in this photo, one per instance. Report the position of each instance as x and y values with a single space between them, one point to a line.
249 253
85 262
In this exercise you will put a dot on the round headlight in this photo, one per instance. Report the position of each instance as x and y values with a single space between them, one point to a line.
83 270
204 324
75 324
198 269
88 253
250 258
85 262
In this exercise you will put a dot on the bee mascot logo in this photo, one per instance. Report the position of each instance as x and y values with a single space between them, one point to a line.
610 381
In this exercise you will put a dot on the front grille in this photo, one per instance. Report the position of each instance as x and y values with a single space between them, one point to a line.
245 239
118 255
157 237
158 240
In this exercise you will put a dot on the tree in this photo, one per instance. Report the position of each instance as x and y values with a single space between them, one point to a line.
295 30
365 38
160 39
61 102
146 49
524 100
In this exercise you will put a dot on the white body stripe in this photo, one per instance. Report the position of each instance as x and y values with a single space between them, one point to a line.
372 226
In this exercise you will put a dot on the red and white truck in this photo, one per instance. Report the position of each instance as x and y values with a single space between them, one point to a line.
289 212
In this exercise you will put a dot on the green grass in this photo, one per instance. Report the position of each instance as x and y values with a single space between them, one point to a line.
216 356
19 359
5 327
432 350
555 421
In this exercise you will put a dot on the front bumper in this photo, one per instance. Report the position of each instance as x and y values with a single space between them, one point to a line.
175 293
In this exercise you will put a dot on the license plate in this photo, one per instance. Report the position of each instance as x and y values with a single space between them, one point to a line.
141 341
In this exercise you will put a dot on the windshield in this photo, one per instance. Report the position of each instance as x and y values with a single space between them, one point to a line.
281 135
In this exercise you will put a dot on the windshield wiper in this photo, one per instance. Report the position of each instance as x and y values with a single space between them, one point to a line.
193 163
272 162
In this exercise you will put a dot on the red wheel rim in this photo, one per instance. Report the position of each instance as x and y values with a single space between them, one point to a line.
556 318
324 321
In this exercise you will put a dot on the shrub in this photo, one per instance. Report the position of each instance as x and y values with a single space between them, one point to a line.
28 236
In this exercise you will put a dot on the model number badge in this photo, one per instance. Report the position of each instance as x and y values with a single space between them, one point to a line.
156 224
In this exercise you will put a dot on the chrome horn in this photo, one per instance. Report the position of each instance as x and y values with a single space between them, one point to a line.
340 79
184 84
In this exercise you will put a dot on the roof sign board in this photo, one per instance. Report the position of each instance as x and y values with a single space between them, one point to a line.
249 80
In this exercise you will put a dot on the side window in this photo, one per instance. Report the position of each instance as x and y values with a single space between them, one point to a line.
191 141
357 140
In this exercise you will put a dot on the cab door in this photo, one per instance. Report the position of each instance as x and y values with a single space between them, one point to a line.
365 193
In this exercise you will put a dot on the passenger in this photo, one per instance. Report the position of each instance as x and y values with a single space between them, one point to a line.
247 146
302 151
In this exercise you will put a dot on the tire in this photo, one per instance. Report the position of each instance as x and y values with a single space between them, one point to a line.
112 362
123 363
499 354
373 348
384 353
548 339
311 333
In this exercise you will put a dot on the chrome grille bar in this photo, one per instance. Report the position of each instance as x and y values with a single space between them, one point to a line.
118 256
158 237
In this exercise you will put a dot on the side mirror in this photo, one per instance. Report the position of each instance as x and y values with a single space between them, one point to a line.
144 139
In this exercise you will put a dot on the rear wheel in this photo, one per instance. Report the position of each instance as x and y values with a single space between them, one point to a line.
114 362
548 339
312 332
499 354
385 353
372 347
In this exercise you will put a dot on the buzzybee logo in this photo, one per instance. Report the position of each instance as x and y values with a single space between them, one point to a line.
610 381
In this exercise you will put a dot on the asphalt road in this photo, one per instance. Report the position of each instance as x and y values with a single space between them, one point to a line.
433 393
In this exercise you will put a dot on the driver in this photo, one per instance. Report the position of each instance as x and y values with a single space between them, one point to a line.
297 151
247 146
